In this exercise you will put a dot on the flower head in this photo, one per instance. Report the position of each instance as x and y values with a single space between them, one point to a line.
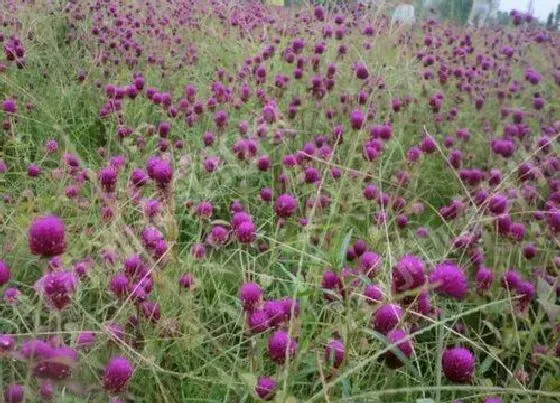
458 364
46 236
450 280
118 372
280 346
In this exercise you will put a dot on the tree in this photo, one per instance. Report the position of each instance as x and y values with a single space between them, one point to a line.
550 21
503 18
557 17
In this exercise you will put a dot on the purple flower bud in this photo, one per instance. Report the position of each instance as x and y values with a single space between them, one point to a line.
57 289
281 346
458 364
186 281
357 118
450 280
7 343
250 295
265 388
86 340
387 317
373 294
404 346
46 236
334 353
118 373
13 393
408 273
5 273
286 205
258 321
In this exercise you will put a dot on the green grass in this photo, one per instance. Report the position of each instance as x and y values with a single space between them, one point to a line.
200 350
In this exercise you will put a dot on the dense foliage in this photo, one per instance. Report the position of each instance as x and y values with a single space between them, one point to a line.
213 201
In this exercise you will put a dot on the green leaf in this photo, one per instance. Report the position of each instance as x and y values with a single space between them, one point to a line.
249 378
344 247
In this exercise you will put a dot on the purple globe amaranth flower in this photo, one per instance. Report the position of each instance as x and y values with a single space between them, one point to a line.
5 273
57 289
449 279
7 344
492 399
286 205
357 119
265 388
186 281
36 350
9 106
258 321
275 312
46 236
160 170
370 263
331 281
246 232
281 346
108 178
150 310
290 307
484 278
86 340
46 390
198 251
498 204
118 372
58 365
334 353
458 364
204 209
511 279
387 317
120 285
33 170
373 294
397 337
250 295
517 231
408 274
14 393
139 177
218 236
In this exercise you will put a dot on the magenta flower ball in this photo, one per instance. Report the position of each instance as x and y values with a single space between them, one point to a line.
387 317
334 353
370 263
13 393
458 364
118 372
398 337
281 346
46 236
7 343
286 205
373 294
86 340
408 273
258 321
266 388
186 281
250 295
5 273
449 279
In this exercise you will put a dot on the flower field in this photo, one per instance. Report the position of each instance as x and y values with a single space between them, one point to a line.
212 200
